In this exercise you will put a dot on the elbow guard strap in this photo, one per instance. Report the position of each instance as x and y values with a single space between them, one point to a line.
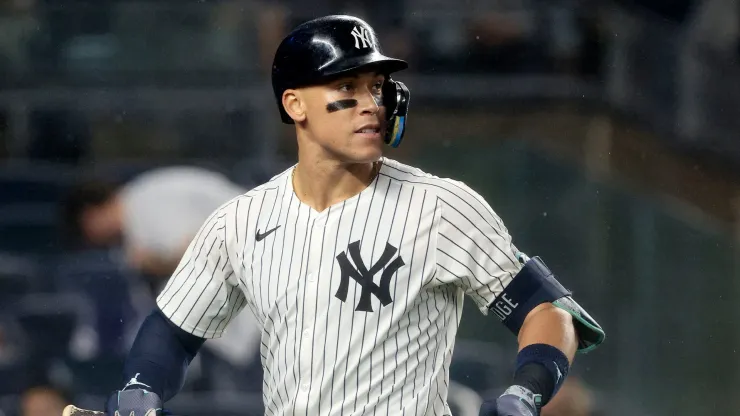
534 285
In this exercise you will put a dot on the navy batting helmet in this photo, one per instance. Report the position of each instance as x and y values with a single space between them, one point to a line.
333 46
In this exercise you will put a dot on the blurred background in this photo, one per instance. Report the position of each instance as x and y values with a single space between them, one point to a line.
605 133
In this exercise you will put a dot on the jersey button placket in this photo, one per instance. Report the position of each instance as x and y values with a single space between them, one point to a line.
306 356
320 221
306 341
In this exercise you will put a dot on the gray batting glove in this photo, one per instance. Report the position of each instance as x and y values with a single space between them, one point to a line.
516 401
134 402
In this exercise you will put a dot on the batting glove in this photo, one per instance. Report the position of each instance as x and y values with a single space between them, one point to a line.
516 401
134 402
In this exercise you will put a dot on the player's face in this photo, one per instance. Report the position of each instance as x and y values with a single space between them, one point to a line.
42 403
346 117
100 225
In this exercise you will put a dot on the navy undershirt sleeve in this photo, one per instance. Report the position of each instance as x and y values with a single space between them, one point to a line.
160 356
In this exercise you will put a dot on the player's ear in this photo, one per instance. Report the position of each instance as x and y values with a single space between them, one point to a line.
294 105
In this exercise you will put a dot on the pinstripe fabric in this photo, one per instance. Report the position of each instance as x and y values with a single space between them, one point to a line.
359 304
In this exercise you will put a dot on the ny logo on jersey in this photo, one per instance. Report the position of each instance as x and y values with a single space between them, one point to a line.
364 277
361 34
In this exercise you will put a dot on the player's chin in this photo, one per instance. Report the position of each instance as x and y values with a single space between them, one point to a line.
365 154
356 156
364 150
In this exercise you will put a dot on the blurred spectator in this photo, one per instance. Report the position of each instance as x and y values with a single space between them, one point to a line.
155 216
43 400
573 399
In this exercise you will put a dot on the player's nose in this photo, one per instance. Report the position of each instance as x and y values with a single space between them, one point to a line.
369 102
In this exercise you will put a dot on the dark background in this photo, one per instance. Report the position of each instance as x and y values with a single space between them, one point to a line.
606 134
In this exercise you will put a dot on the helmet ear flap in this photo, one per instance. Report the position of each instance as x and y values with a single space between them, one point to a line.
396 97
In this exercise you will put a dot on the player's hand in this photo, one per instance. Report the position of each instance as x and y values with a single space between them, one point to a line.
134 402
516 401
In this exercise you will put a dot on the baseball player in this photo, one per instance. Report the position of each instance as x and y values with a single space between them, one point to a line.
354 264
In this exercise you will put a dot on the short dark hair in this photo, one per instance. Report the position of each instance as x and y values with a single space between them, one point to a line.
88 194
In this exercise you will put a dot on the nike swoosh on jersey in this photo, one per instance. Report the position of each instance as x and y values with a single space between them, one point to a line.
261 236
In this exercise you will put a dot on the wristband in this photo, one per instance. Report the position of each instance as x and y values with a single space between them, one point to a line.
542 369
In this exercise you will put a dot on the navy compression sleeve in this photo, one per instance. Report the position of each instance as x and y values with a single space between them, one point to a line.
160 355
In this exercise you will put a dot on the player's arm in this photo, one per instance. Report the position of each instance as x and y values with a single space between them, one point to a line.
548 324
197 303
475 251
551 328
548 342
155 368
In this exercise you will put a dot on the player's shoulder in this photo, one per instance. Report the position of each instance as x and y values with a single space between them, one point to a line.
440 186
242 202
275 183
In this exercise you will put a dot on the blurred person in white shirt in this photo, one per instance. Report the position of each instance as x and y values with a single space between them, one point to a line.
153 217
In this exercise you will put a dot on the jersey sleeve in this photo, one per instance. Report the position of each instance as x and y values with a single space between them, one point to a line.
474 248
203 294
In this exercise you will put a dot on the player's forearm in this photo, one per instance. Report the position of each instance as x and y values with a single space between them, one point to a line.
547 345
548 324
160 355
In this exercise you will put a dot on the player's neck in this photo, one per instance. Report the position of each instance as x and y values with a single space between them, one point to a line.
323 183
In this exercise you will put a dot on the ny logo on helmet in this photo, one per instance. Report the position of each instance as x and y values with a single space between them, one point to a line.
361 35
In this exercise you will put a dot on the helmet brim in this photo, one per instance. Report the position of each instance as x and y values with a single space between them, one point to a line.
375 62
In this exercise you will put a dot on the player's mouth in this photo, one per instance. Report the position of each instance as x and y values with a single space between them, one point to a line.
369 131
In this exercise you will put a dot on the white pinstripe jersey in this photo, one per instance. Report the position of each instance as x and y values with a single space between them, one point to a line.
359 304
